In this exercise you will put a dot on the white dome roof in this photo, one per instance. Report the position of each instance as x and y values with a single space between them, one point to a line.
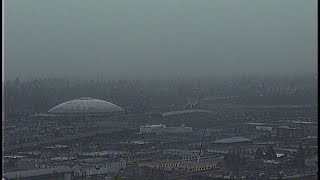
85 106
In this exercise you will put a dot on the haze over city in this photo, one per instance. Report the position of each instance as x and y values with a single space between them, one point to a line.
79 39
162 90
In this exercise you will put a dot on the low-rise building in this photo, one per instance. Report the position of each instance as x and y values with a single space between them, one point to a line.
164 129
184 154
62 172
189 166
99 166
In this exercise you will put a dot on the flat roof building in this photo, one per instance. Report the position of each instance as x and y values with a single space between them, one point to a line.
232 140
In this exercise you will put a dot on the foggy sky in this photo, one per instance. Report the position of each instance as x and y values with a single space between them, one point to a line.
159 38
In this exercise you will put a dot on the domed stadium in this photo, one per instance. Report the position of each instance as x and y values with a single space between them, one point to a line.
86 105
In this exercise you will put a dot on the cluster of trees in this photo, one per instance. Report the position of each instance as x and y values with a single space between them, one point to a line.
234 160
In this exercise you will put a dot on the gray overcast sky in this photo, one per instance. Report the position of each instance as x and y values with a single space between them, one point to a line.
159 38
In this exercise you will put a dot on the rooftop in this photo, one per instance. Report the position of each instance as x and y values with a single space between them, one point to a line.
170 113
232 140
104 153
37 172
84 106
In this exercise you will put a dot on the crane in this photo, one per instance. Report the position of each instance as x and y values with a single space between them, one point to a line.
204 132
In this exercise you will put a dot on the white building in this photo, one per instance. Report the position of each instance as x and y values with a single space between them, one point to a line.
164 129
264 128
152 128
105 153
86 105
